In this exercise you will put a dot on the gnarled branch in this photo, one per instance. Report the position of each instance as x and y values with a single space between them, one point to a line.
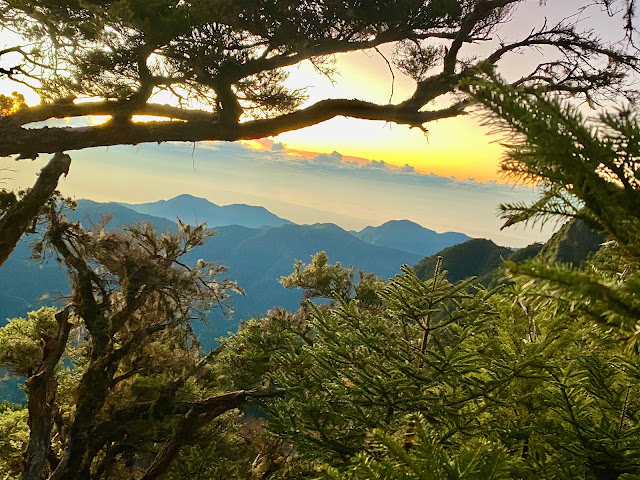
17 218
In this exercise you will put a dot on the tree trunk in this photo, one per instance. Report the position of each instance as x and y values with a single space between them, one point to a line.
17 218
92 393
42 389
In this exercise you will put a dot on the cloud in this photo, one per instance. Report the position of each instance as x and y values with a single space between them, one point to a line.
323 188
333 159
407 169
335 163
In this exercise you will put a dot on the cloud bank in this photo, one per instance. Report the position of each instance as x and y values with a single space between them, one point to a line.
322 188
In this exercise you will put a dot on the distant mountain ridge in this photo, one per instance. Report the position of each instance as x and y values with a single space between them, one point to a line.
193 210
256 259
403 235
410 237
89 212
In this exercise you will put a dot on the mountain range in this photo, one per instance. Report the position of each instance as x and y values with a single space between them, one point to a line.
255 245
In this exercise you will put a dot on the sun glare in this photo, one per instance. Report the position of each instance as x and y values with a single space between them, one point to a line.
456 147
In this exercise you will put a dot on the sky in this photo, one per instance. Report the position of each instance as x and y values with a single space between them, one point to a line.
350 172
321 189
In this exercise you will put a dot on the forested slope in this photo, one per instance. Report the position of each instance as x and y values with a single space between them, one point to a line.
482 258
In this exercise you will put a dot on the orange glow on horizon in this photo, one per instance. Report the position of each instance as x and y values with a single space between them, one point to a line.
461 153
456 147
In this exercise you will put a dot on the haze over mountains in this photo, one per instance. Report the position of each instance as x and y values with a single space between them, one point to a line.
402 235
257 246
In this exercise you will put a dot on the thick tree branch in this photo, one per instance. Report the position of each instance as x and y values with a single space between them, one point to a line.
31 142
84 280
199 415
47 111
20 216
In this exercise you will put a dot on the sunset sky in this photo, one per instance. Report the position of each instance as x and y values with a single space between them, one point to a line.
350 172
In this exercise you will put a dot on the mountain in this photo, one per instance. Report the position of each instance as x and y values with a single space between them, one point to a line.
478 257
193 210
482 258
572 243
410 237
88 212
256 259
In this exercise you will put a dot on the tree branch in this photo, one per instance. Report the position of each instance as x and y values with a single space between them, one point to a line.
200 414
31 142
18 217
483 9
47 111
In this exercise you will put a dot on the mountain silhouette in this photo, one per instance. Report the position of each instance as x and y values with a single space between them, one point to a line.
410 237
194 210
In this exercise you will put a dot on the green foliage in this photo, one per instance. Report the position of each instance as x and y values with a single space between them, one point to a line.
417 453
14 435
244 358
318 279
322 280
245 449
132 369
578 163
415 378
444 381
349 369
22 341
588 170
116 50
